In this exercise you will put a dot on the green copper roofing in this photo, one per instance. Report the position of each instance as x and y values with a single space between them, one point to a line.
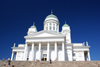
51 15
65 25
33 26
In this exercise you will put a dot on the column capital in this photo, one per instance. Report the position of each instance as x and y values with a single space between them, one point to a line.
62 41
48 41
55 41
39 41
32 42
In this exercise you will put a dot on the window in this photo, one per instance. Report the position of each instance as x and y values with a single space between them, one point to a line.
53 28
46 28
53 24
50 27
50 23
44 55
73 54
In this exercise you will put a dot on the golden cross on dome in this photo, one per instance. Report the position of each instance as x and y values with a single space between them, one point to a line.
51 12
65 22
33 23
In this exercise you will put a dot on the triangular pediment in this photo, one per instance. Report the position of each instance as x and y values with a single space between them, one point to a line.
45 34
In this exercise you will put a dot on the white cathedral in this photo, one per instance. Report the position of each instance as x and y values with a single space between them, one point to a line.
50 44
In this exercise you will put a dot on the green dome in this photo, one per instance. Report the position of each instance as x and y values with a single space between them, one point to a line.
33 26
65 25
51 16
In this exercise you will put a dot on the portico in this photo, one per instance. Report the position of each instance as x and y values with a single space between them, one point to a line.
49 50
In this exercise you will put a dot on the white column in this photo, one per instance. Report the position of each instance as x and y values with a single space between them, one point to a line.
63 51
56 51
25 52
22 56
12 56
89 56
32 51
48 51
40 51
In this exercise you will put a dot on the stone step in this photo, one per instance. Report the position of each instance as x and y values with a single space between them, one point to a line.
54 63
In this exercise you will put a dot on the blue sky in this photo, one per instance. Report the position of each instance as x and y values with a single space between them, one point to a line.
16 16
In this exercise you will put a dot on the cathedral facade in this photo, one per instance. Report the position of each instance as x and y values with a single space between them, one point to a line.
50 44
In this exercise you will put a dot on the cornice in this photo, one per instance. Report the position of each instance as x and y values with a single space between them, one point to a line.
45 37
17 47
81 46
44 31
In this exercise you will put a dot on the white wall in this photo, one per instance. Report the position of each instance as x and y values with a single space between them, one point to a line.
69 55
19 56
79 56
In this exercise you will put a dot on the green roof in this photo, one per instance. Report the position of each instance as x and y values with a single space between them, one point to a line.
65 25
33 26
51 15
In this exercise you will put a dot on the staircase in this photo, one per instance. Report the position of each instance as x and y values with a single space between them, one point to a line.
54 63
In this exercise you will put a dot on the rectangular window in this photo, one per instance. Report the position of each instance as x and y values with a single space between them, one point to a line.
46 28
44 55
73 54
50 28
50 23
53 28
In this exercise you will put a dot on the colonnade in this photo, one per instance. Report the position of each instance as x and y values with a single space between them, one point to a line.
48 51
32 58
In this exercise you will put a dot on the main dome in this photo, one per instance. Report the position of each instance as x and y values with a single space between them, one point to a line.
51 16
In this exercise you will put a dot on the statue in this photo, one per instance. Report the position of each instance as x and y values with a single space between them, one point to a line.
83 44
87 43
14 45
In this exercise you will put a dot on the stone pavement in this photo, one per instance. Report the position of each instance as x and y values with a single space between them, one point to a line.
54 63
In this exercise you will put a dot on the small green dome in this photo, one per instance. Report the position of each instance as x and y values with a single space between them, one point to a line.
51 16
65 25
33 26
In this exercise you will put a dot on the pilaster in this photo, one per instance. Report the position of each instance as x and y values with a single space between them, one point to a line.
56 51
40 51
32 51
48 51
63 51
